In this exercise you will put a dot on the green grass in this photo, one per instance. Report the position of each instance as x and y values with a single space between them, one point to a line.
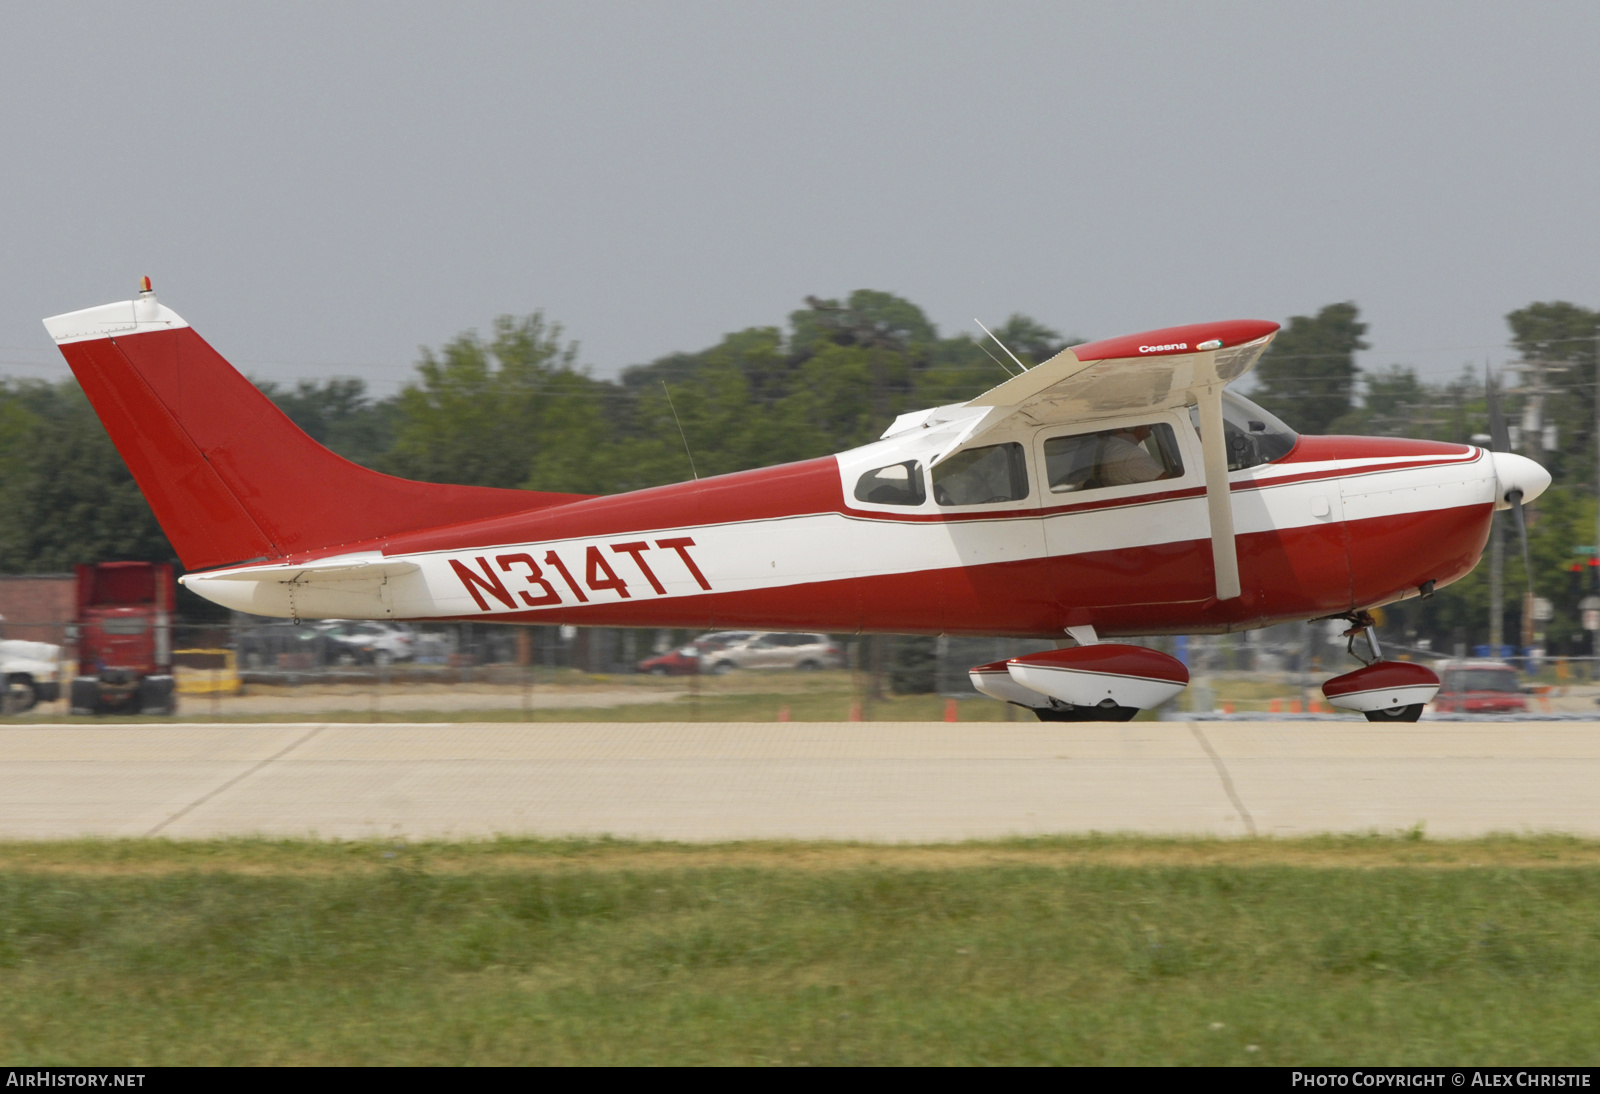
1090 951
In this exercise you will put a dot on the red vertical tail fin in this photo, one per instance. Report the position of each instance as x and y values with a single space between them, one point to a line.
229 476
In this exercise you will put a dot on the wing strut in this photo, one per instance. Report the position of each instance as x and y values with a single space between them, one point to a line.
1219 499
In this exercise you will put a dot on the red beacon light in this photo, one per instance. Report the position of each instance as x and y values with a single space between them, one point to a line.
144 285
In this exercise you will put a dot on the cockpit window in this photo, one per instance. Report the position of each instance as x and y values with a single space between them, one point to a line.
1253 436
1113 457
897 484
996 472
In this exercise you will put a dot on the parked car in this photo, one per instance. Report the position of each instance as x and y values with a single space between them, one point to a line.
282 647
1479 687
368 642
31 672
721 640
778 651
683 661
686 660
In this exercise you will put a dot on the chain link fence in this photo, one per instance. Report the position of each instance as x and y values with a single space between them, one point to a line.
249 666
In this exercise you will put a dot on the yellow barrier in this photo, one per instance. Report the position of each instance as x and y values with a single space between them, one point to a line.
206 672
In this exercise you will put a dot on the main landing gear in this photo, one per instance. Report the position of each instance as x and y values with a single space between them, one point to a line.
1385 691
1093 682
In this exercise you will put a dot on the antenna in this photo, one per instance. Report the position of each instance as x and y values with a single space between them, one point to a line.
1001 344
995 359
681 436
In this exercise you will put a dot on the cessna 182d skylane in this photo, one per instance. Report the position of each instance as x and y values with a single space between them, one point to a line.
1115 489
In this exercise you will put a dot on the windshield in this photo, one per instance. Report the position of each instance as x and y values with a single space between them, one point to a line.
1253 435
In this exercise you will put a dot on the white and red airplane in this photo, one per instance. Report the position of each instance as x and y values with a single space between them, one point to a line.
1115 489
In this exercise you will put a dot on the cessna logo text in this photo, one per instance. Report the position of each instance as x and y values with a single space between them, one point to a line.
1164 349
516 579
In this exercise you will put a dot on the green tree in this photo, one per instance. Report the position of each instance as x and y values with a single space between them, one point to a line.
1308 374
1029 339
1395 403
1559 333
867 318
65 494
1560 338
481 412
894 339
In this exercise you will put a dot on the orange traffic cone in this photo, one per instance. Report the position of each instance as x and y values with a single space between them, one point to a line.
1276 706
855 711
1294 706
783 713
1316 705
950 711
1227 707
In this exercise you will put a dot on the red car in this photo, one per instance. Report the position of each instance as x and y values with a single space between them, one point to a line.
685 660
1479 687
679 662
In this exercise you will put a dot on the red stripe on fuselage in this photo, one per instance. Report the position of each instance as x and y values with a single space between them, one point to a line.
1290 574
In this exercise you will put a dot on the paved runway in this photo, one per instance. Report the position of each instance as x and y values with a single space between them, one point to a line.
853 780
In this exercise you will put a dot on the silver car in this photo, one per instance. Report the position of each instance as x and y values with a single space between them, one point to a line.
774 650
368 642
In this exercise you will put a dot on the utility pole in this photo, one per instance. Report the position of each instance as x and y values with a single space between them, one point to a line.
1497 549
1533 409
1497 602
1533 442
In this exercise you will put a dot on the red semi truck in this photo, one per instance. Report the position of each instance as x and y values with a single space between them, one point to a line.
124 637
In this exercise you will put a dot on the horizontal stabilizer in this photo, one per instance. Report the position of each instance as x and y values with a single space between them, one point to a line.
318 572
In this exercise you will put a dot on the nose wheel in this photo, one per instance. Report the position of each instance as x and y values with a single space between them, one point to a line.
1410 713
1383 691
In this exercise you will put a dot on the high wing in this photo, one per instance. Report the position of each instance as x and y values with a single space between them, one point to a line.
1156 370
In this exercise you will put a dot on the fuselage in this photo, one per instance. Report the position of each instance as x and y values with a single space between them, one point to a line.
1335 524
1116 486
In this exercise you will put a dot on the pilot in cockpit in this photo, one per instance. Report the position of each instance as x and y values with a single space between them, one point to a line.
1123 459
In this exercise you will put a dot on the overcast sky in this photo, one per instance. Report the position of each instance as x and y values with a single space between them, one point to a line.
322 188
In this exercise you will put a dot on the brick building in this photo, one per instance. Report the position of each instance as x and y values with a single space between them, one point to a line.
37 607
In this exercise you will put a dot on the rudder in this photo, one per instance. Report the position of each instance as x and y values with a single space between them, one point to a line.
229 476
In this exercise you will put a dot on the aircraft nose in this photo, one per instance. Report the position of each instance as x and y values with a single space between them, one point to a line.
1515 472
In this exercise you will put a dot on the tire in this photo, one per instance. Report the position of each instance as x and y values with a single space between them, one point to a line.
21 695
1396 714
721 668
658 670
1086 714
157 695
85 695
382 658
808 666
